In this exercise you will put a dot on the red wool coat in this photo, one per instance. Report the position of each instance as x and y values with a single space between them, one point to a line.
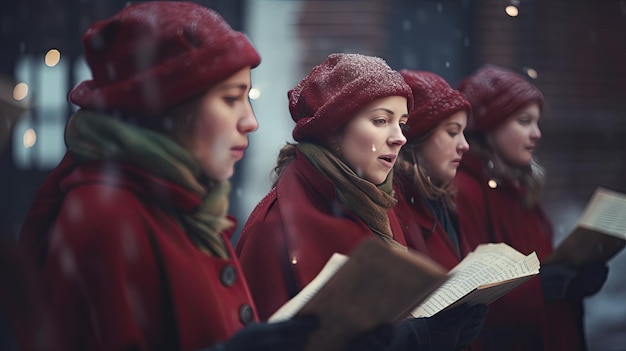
293 232
520 320
422 230
119 270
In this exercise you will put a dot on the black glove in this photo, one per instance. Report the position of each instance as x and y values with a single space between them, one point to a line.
474 326
411 334
290 335
588 281
375 340
447 330
555 279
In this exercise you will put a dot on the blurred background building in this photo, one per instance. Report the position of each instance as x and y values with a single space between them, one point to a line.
574 50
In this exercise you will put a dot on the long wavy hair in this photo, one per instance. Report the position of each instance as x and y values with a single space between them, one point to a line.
410 165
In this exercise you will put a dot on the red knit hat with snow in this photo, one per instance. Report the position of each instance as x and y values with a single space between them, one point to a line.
495 93
337 89
434 101
155 55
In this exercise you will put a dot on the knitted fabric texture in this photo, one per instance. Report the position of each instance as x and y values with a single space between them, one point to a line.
155 55
337 89
495 93
434 101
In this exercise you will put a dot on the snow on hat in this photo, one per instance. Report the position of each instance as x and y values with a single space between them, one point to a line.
336 89
434 101
495 93
152 56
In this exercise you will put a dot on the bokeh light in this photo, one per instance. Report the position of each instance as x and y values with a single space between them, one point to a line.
511 11
254 93
20 91
53 56
30 138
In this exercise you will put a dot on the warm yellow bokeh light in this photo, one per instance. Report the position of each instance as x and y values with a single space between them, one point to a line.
511 11
20 91
254 93
53 57
30 138
532 73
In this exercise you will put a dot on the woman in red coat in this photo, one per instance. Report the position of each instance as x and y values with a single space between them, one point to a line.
334 189
427 165
130 231
425 169
499 185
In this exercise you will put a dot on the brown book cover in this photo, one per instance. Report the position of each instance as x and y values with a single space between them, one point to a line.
377 284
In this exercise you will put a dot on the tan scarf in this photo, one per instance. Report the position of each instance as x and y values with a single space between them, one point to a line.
98 136
368 201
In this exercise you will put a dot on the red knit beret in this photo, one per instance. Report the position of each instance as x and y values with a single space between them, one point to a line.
495 93
155 55
337 89
434 101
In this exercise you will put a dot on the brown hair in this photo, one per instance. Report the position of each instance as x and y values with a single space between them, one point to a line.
409 166
286 154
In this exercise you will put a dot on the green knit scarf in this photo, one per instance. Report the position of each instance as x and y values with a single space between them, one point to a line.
98 136
365 199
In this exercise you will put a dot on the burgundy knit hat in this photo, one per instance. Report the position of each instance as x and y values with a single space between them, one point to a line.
495 93
336 89
154 55
434 101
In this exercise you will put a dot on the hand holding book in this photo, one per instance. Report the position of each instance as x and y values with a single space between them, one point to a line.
599 234
376 285
379 285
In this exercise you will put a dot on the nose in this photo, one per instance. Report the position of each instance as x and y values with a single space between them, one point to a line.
248 122
535 133
463 145
397 137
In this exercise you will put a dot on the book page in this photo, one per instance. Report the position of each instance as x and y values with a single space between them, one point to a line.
490 264
490 292
606 212
289 309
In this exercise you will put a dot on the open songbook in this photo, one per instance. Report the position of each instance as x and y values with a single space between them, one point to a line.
377 284
483 276
599 234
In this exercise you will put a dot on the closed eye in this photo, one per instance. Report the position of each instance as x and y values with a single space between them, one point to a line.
231 100
380 121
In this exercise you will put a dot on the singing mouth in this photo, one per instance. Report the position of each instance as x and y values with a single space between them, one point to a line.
388 159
